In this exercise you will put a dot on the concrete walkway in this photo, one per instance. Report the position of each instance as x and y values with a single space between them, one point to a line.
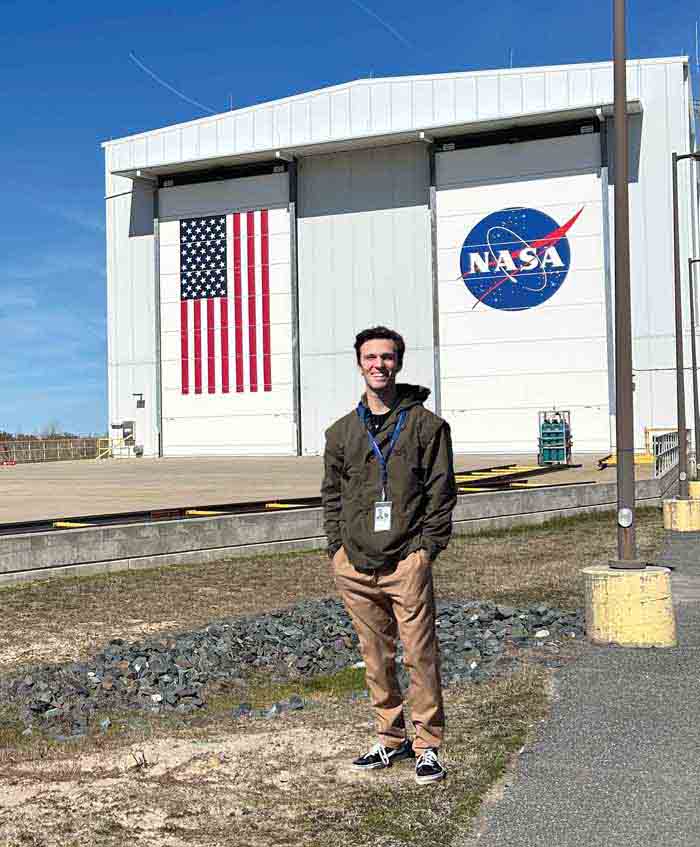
617 764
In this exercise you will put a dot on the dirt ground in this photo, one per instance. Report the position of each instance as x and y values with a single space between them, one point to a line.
252 783
211 780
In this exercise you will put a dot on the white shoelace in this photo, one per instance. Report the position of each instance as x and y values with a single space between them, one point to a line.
381 751
427 758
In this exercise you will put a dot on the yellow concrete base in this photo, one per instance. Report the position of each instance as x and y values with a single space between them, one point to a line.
682 515
694 489
632 608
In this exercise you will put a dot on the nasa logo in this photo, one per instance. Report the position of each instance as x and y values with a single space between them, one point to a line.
516 258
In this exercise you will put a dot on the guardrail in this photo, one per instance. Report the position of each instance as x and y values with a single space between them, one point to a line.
47 450
665 451
114 448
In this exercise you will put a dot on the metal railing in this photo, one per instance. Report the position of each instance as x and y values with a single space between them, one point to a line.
665 451
47 450
115 448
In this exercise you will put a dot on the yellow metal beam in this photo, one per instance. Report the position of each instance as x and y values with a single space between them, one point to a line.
464 489
69 525
639 459
204 513
281 506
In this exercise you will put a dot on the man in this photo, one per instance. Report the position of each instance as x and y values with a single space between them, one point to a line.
388 494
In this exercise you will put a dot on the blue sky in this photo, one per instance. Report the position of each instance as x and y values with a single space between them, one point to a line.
67 83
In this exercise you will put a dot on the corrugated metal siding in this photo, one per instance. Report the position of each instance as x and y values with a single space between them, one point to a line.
131 312
655 135
364 259
374 106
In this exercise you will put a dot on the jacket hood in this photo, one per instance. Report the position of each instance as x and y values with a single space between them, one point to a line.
407 396
411 395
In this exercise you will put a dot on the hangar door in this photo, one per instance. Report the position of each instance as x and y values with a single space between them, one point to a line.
364 259
522 292
225 292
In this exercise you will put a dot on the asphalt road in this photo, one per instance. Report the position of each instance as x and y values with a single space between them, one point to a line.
617 764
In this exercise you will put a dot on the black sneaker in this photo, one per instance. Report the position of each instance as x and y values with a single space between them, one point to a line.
428 767
383 757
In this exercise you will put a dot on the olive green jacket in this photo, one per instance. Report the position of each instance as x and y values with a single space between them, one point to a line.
421 484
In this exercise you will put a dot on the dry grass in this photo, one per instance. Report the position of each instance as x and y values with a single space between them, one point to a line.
65 619
210 781
528 564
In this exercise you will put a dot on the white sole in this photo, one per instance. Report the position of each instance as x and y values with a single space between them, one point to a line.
360 768
426 780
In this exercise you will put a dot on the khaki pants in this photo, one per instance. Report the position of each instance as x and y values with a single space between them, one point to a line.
397 601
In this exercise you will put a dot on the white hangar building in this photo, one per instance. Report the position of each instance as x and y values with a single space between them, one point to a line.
470 211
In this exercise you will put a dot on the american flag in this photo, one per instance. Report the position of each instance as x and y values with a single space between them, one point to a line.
222 255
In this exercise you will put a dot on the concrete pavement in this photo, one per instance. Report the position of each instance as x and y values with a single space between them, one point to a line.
617 763
88 487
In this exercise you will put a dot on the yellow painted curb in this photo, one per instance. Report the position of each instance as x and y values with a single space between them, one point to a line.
682 515
632 608
694 489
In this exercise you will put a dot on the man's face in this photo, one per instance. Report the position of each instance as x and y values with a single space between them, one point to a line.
378 363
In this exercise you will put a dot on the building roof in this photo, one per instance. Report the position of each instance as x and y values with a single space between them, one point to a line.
376 111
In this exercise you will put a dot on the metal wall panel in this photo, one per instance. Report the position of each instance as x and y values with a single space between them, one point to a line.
499 367
131 309
232 423
364 259
381 105
654 136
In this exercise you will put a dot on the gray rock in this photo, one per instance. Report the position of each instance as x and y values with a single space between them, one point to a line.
170 672
274 711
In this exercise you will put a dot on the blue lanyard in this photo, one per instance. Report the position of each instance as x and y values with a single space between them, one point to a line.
362 414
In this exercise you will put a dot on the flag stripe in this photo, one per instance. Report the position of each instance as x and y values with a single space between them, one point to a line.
184 348
224 345
197 306
211 352
265 261
238 299
252 321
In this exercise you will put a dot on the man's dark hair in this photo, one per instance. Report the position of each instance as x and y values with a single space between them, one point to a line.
381 332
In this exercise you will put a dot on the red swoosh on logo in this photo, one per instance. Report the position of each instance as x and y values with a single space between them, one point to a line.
546 241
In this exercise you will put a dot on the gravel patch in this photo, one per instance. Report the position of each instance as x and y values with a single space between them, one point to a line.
172 672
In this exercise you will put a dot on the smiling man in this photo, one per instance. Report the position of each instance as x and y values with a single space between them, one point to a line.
388 494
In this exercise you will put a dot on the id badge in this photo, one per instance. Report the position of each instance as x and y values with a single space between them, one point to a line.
382 516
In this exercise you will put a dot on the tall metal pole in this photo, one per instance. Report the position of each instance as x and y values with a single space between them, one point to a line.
680 378
624 420
696 410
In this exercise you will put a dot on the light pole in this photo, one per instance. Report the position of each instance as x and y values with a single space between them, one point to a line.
680 379
624 411
621 595
696 411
